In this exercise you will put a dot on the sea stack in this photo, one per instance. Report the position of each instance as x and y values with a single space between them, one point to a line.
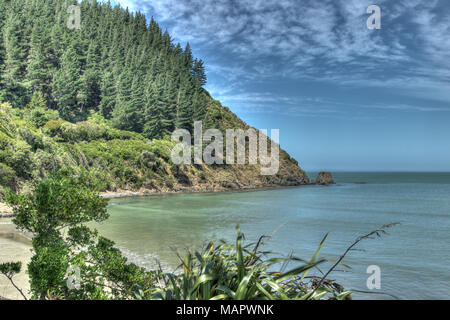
324 179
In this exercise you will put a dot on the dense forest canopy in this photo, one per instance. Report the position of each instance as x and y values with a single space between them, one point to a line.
117 64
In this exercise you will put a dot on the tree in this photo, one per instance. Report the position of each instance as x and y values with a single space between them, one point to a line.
37 101
91 77
61 203
184 117
198 71
9 270
37 111
14 69
127 115
39 63
157 121
108 95
187 58
67 87
94 68
200 105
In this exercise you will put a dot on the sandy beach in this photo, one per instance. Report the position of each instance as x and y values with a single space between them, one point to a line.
5 211
14 248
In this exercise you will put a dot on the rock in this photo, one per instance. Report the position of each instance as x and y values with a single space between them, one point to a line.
324 179
182 177
230 185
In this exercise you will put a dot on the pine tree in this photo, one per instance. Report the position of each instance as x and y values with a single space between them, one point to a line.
108 95
14 68
91 77
133 73
37 101
198 71
187 58
39 69
127 115
156 121
184 118
200 104
67 87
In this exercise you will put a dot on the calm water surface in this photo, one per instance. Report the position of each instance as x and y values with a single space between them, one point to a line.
414 257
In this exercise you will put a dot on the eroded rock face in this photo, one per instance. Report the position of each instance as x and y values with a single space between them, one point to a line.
324 179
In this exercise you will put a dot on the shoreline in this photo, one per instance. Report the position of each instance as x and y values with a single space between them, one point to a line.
17 245
323 179
134 194
6 212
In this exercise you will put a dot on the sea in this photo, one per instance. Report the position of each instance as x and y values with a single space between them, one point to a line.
410 261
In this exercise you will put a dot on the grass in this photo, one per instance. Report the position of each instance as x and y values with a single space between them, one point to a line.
244 272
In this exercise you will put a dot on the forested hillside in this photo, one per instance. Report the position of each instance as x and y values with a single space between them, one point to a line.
102 100
131 73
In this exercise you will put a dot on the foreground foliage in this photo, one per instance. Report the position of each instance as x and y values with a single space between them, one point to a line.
71 261
64 247
238 272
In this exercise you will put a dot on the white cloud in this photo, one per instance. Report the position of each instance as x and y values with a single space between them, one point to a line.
323 40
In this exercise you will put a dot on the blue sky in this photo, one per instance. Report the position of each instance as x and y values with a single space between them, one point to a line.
344 97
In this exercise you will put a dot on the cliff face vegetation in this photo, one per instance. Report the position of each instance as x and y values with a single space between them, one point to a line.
101 101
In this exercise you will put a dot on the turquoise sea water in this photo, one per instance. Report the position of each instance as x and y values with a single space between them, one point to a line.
414 257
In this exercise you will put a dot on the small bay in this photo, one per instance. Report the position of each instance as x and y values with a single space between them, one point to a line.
414 257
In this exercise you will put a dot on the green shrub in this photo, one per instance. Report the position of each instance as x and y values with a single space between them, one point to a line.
113 133
97 179
147 160
87 131
54 127
45 163
168 181
31 138
5 140
40 116
21 160
7 125
130 175
7 176
162 148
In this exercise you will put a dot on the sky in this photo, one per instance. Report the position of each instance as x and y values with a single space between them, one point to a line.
344 97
